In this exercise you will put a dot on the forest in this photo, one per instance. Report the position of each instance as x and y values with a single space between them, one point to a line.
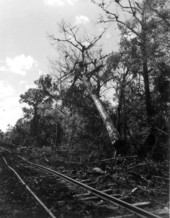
68 116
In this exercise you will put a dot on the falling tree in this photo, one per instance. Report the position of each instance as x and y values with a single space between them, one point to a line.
81 63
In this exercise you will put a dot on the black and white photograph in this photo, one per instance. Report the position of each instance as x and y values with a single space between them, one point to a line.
84 108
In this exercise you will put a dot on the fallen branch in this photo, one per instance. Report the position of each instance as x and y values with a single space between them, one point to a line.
142 204
111 159
138 165
160 177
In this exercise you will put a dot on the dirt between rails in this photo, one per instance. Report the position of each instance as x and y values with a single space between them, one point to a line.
139 184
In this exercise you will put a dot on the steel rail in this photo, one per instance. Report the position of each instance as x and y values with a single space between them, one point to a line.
30 191
137 211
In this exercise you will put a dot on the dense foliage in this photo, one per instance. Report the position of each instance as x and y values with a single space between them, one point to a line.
62 112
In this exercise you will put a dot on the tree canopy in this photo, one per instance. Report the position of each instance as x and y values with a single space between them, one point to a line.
68 111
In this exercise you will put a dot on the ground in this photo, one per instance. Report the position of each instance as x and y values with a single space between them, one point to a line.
136 181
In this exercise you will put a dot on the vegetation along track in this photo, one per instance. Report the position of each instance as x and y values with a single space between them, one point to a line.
64 190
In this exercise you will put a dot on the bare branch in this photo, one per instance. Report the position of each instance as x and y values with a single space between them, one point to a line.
111 16
116 18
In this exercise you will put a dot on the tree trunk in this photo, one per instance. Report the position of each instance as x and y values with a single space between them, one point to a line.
119 108
145 68
124 120
112 131
147 90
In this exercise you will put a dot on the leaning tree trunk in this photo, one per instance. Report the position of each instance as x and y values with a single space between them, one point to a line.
112 131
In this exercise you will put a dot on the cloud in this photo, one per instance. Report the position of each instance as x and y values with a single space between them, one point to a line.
40 72
81 19
108 36
86 43
60 2
10 109
30 86
18 65
71 2
9 117
22 82
6 90
10 112
10 102
54 2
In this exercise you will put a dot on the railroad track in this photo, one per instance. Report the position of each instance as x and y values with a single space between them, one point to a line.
99 198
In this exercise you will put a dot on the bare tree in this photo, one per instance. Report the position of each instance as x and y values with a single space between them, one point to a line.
80 62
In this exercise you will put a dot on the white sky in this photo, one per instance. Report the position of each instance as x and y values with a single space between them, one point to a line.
25 48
